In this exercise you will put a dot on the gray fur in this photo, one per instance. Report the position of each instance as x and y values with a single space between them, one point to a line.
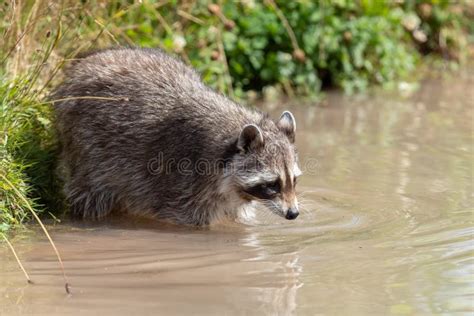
123 108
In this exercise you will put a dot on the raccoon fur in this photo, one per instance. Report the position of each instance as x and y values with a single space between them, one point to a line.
140 133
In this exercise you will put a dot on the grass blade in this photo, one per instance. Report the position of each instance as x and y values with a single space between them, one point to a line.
66 283
17 258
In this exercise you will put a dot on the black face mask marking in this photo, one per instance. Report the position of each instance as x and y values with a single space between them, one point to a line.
265 191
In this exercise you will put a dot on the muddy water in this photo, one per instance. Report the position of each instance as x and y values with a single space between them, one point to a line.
387 229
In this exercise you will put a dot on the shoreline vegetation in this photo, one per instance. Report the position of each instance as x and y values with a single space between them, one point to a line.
244 49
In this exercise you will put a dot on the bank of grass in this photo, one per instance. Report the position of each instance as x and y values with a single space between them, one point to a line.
292 47
27 150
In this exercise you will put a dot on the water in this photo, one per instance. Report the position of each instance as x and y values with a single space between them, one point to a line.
387 229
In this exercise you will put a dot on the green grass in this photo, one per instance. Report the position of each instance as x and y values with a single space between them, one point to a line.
294 47
27 150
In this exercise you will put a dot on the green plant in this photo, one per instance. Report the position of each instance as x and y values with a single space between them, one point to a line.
27 155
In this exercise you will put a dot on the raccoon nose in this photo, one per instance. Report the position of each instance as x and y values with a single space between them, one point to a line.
292 213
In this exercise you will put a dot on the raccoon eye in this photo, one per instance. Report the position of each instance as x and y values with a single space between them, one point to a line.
272 187
265 190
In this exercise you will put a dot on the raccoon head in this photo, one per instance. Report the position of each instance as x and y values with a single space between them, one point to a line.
266 165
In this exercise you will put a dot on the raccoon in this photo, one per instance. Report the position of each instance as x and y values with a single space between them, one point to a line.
141 133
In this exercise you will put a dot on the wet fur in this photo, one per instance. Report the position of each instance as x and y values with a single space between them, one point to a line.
142 103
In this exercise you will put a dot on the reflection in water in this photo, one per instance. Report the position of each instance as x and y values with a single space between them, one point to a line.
388 229
282 298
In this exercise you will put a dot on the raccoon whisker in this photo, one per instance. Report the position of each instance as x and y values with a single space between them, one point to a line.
302 196
271 205
303 199
303 206
307 213
301 193
306 203
265 217
272 209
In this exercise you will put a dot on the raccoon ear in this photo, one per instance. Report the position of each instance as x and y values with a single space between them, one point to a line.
287 125
250 138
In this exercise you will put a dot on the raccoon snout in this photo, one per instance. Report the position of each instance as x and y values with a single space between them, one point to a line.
292 213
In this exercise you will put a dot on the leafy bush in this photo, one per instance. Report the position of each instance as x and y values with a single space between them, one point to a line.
298 46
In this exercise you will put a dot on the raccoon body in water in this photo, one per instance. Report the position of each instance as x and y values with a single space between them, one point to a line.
140 133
